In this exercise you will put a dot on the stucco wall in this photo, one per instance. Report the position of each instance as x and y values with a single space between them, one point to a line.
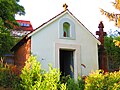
43 45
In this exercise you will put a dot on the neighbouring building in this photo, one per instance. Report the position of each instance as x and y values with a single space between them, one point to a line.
64 42
18 32
22 30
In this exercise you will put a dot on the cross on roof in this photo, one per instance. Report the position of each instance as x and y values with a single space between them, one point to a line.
101 33
65 6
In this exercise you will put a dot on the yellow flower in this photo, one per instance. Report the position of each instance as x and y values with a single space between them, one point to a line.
114 40
117 43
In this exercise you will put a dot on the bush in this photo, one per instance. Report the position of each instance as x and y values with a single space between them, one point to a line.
34 78
7 77
71 84
100 81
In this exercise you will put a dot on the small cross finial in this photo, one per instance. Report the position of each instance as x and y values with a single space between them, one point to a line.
101 25
65 6
101 33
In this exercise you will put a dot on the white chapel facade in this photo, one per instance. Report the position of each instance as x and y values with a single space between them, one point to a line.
67 44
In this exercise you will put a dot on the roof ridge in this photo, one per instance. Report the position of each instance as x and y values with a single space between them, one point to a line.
50 19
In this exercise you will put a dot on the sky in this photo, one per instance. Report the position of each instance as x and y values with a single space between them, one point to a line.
87 11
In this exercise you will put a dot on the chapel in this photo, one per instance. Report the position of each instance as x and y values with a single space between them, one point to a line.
62 41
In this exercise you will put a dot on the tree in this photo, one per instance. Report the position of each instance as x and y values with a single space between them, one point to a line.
114 17
6 42
113 53
8 9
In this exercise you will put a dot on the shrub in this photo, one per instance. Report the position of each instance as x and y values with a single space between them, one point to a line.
112 81
7 77
71 84
100 81
4 77
34 78
75 85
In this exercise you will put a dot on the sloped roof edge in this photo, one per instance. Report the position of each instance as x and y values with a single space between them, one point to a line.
47 23
84 27
56 17
20 43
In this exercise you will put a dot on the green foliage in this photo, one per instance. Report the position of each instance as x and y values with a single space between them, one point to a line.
75 85
113 52
7 77
81 83
53 77
100 81
6 42
8 9
4 79
30 74
34 78
95 81
71 84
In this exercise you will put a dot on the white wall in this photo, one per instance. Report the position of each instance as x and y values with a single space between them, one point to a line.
43 45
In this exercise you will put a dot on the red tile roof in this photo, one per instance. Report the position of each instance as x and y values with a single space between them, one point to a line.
24 25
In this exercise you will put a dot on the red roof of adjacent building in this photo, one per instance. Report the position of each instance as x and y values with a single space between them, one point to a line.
24 25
